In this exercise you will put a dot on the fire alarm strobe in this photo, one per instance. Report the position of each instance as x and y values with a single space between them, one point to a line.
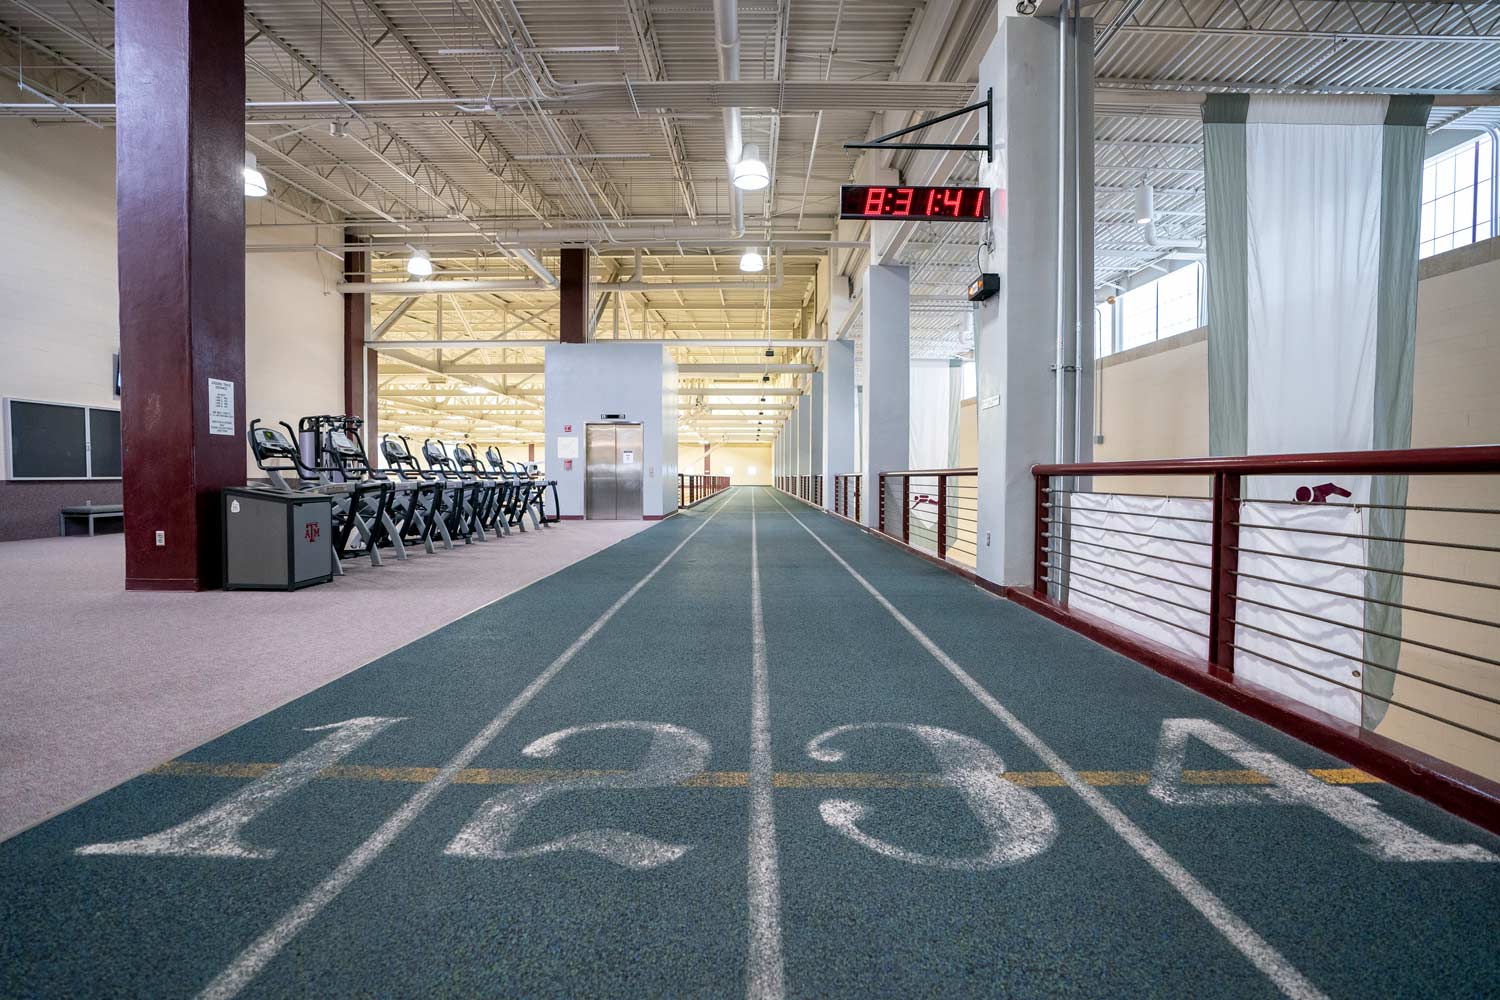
984 286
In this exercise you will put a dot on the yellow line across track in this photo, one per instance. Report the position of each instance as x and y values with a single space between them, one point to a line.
741 779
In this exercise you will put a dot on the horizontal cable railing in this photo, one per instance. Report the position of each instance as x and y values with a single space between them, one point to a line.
933 510
846 498
693 489
1365 585
806 488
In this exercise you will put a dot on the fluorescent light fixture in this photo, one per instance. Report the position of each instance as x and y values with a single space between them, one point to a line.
750 174
419 264
751 262
1145 206
475 390
255 181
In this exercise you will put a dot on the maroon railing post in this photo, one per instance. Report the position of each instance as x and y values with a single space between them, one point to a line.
942 522
1224 559
880 484
906 509
1039 563
857 484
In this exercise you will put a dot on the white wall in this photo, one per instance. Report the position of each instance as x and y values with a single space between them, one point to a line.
59 298
294 335
739 457
59 310
633 378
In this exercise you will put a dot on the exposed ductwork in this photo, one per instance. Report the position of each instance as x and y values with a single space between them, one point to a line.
727 27
456 287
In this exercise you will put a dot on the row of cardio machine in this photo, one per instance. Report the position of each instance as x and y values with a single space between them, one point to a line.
455 497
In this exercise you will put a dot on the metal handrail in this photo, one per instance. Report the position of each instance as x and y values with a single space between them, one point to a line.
1057 530
1459 461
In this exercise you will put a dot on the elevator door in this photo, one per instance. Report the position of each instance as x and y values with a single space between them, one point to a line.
614 472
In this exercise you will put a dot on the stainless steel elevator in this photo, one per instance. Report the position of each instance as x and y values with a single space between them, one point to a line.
614 478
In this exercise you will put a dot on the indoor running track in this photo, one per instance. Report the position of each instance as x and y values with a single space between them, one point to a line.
750 752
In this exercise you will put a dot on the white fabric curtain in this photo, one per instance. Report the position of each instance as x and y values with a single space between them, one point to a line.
929 415
1313 203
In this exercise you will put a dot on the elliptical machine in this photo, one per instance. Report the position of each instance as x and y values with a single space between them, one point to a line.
360 508
522 494
532 487
437 513
337 444
495 494
470 493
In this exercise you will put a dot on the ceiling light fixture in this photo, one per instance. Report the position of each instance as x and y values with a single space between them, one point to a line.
750 174
475 390
1145 206
751 262
419 264
255 181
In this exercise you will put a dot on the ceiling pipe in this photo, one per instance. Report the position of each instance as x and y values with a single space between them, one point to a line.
759 344
637 284
439 287
727 28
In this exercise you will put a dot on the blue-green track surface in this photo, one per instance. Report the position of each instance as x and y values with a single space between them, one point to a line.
752 752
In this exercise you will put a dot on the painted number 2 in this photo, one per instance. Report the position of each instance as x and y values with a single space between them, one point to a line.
674 755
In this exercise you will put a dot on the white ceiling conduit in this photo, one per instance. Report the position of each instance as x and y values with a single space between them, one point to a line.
759 344
727 28
638 284
447 287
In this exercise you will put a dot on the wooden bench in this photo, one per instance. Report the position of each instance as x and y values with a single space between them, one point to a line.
91 511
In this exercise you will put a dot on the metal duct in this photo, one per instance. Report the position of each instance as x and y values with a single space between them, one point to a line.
727 26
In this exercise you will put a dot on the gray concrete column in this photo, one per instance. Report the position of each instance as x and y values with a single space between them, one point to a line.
804 435
814 399
838 414
886 415
1017 330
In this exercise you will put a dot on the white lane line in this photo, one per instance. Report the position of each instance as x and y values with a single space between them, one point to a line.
1272 964
764 974
250 962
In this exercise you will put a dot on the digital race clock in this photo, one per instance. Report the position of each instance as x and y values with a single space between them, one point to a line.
938 204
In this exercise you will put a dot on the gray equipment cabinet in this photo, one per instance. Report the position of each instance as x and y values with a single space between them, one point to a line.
276 540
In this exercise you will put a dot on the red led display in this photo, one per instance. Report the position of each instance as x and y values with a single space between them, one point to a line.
942 204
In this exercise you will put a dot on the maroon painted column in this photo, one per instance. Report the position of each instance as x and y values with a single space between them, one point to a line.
361 364
573 294
180 155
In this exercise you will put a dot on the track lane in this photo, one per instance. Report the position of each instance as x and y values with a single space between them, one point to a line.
110 925
1337 912
1037 926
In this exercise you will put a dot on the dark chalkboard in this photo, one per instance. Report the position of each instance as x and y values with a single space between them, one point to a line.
104 443
51 441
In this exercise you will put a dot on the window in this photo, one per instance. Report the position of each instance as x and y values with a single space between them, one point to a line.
1457 204
968 381
1104 329
1160 308
750 470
